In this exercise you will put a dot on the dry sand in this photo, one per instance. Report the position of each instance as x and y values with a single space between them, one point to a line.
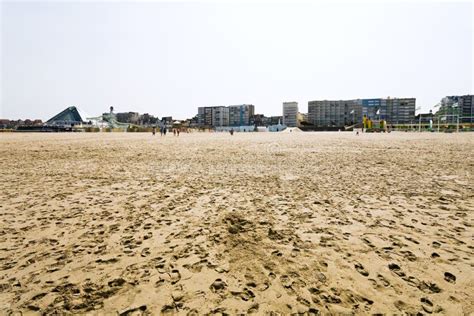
212 223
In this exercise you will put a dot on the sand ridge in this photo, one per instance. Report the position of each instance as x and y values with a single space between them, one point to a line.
329 223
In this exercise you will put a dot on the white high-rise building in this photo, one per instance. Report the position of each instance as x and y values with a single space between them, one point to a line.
220 116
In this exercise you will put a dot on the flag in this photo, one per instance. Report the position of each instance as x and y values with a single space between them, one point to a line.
352 112
378 112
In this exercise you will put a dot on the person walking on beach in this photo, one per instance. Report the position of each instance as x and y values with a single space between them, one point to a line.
154 130
177 131
161 131
174 131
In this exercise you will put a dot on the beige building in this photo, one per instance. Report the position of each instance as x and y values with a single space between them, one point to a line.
302 117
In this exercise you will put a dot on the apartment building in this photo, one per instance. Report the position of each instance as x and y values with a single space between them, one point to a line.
335 113
219 116
240 115
398 110
205 116
339 113
454 106
290 114
392 110
466 107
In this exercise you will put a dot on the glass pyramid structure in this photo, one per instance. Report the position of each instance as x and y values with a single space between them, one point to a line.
70 116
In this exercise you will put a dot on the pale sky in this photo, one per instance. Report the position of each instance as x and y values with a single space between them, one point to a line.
170 58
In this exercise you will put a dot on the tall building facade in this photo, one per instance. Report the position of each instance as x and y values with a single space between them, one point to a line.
454 106
336 113
339 113
398 110
218 116
370 108
204 116
290 114
392 110
240 115
466 106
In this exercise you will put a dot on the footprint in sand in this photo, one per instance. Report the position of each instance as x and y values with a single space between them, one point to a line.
245 295
449 277
395 268
383 280
148 235
314 291
360 268
277 253
117 282
263 286
409 255
428 287
286 281
145 252
253 309
426 305
411 280
218 286
140 310
321 277
404 307
168 309
368 242
175 276
160 264
160 282
303 301
38 296
295 252
193 312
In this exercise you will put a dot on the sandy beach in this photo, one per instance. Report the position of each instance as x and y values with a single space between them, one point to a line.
208 223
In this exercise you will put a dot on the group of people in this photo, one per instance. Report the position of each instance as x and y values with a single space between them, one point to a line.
163 131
